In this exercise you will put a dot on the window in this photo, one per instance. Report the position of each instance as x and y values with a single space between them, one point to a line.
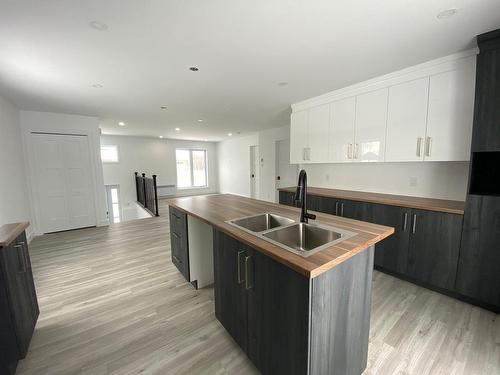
191 168
109 153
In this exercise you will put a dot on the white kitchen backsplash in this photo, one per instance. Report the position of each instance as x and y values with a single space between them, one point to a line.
445 180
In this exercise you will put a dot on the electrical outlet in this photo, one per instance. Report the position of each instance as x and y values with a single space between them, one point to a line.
413 181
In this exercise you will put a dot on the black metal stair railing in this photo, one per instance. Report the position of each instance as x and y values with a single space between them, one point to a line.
147 192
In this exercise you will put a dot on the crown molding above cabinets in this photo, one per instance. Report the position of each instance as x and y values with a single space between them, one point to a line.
422 113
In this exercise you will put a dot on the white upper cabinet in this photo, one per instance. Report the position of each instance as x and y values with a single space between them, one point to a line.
318 128
371 121
422 113
406 120
451 108
299 141
342 120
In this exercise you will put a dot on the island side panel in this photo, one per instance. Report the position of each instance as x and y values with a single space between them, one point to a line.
340 317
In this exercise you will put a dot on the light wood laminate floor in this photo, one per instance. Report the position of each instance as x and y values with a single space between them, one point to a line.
112 303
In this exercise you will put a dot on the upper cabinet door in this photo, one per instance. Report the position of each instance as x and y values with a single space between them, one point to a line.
342 119
371 122
298 137
318 126
406 120
451 108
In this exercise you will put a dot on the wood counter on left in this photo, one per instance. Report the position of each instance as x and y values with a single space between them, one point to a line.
9 232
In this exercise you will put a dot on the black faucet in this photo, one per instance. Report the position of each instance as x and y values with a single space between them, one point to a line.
301 197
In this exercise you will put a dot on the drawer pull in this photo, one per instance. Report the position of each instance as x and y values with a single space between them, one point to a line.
240 263
248 273
21 256
414 228
405 222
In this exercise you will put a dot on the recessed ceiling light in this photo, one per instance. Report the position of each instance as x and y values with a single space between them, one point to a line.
161 136
101 26
229 134
163 107
193 69
177 129
121 123
447 13
200 120
282 83
97 86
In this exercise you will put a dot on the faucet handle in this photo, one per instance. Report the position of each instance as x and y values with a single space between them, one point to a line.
310 216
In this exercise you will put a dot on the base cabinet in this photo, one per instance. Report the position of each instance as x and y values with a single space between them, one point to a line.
287 323
18 303
179 245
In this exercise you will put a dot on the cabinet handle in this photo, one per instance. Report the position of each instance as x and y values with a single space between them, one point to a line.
309 153
405 221
349 151
248 273
428 146
176 259
419 146
355 151
337 208
240 261
342 209
20 256
414 228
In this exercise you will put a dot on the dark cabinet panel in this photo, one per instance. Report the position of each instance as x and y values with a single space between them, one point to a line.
391 254
479 264
287 198
19 288
355 210
229 287
434 247
278 317
179 246
9 352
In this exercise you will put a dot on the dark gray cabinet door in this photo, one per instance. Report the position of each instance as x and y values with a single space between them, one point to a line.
391 254
229 288
9 352
278 322
479 265
355 210
179 246
287 198
434 247
20 292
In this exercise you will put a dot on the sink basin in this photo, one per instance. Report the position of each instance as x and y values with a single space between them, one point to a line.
261 222
306 239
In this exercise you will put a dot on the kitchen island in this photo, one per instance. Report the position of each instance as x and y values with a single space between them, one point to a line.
290 314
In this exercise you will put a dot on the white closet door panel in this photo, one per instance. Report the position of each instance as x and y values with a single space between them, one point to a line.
342 120
318 126
371 121
298 136
80 195
406 120
451 108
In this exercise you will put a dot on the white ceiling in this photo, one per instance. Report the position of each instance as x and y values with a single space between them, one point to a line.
50 57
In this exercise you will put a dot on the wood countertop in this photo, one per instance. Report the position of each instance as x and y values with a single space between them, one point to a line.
216 209
429 204
9 232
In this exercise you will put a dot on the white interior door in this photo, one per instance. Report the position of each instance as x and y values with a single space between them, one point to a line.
63 182
286 173
254 172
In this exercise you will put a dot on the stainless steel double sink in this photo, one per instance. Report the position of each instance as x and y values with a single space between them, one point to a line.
299 238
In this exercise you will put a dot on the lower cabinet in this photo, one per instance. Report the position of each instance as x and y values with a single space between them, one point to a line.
179 246
287 323
286 197
18 303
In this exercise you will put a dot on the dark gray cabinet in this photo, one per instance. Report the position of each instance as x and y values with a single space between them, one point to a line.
287 323
286 197
433 248
179 245
479 265
391 253
19 306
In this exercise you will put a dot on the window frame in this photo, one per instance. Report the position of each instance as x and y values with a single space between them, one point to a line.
190 150
117 154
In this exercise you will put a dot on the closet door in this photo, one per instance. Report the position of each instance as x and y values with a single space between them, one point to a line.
63 181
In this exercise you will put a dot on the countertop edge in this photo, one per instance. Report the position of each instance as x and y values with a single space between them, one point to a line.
388 200
9 232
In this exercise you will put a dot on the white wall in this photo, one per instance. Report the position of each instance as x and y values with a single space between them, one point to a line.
14 200
46 122
233 157
152 156
267 150
446 180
